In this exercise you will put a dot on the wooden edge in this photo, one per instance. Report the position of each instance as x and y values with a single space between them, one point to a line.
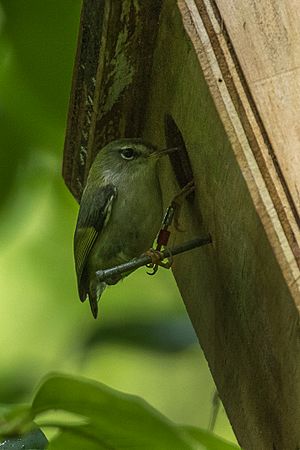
82 96
110 80
246 136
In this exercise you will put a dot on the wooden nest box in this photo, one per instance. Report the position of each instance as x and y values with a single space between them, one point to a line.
223 77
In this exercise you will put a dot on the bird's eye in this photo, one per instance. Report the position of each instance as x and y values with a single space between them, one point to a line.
128 153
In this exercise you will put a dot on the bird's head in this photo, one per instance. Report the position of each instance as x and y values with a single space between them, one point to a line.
127 157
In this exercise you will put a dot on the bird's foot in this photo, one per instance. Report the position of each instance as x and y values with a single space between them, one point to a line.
157 261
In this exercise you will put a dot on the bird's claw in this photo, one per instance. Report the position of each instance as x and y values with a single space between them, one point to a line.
157 260
153 267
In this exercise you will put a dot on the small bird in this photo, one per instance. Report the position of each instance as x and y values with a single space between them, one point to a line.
120 213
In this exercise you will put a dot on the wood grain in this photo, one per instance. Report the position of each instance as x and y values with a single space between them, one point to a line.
110 79
241 294
266 38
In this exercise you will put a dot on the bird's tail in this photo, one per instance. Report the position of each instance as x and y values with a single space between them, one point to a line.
95 292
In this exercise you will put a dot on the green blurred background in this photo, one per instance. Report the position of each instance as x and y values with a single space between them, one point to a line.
143 342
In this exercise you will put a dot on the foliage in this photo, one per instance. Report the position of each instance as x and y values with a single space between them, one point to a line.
101 418
143 334
34 440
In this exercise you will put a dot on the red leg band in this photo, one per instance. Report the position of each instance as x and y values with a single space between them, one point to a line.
163 238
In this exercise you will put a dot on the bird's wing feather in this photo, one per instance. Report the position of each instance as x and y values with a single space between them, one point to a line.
95 210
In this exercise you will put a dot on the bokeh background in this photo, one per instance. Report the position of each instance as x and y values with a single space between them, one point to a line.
143 342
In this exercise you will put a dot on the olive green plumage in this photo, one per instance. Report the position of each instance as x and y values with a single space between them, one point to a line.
120 213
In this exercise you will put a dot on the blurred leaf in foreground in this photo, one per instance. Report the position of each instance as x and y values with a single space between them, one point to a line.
35 440
15 420
115 420
107 419
211 441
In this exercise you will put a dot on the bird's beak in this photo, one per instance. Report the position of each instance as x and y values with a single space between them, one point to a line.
165 151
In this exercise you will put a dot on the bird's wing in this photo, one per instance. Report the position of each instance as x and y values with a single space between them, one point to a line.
94 213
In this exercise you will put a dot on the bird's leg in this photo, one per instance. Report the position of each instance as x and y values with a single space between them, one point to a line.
162 241
178 200
172 214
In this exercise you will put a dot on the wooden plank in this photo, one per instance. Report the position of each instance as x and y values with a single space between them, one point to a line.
110 79
81 106
242 122
242 293
266 39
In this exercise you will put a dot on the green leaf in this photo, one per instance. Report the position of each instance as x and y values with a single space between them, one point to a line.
116 420
34 440
209 440
70 440
15 420
108 420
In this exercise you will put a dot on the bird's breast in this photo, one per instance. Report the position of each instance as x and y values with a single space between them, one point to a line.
133 225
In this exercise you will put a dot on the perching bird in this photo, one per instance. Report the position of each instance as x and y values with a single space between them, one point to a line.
120 213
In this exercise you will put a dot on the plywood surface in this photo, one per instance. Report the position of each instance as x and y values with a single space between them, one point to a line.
241 292
110 78
266 38
242 307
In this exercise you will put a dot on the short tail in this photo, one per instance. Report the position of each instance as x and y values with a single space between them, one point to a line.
95 292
